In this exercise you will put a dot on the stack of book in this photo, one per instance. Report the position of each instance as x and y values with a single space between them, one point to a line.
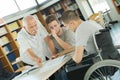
2 31
13 26
3 40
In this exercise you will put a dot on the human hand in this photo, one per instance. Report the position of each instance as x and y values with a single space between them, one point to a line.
39 62
53 32
54 56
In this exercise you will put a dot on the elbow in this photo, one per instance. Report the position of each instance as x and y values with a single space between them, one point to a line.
77 60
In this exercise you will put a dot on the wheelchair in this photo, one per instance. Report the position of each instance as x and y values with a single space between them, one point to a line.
103 65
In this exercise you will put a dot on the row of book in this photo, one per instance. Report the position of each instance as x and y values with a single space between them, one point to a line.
3 31
13 26
4 40
7 49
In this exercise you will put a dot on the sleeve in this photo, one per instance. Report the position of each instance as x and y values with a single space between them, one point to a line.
82 35
23 43
70 37
42 29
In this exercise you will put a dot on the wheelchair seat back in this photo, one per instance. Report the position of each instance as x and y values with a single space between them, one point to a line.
105 44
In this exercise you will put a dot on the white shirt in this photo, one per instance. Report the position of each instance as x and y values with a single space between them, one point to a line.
36 43
83 35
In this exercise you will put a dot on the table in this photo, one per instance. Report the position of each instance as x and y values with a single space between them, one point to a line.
48 68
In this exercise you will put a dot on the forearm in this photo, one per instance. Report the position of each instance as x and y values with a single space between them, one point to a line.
32 55
50 45
66 51
63 44
52 48
77 57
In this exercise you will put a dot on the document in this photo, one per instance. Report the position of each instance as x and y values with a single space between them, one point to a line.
51 64
35 71
27 71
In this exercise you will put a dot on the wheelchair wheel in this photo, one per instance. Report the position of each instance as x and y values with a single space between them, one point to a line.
104 70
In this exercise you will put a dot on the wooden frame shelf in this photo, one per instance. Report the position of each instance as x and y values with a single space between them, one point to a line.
116 6
3 34
1 56
16 29
7 43
12 51
6 66
9 51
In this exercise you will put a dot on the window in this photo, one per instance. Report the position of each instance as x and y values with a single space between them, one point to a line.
7 7
41 1
24 4
99 5
87 8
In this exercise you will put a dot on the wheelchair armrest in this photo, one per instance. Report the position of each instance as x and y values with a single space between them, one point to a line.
85 58
71 63
86 61
117 46
89 56
105 29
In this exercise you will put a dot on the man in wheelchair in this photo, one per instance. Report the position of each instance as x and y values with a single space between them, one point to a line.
90 37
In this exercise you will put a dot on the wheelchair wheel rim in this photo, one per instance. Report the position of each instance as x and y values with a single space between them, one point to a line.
103 70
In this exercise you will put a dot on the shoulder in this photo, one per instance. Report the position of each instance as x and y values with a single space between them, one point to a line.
48 38
94 24
21 34
66 31
89 25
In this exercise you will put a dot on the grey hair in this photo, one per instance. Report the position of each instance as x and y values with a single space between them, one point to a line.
24 21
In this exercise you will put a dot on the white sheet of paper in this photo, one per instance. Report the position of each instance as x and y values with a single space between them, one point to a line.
48 65
51 64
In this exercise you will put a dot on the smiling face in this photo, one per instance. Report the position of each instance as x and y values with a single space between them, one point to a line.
54 25
31 26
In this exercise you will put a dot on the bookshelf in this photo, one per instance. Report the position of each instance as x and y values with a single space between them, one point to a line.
117 5
59 7
9 49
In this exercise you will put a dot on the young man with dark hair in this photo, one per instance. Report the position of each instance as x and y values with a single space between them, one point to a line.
83 33
60 38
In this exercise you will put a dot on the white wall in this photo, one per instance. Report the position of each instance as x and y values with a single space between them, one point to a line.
86 7
79 2
114 14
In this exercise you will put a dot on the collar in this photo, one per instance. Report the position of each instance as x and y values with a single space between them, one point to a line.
27 34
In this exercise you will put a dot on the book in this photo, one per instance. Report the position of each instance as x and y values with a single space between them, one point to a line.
57 7
13 26
11 57
3 40
3 31
6 50
15 67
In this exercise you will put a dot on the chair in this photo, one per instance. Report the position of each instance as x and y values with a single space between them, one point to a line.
98 18
108 65
105 50
104 45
